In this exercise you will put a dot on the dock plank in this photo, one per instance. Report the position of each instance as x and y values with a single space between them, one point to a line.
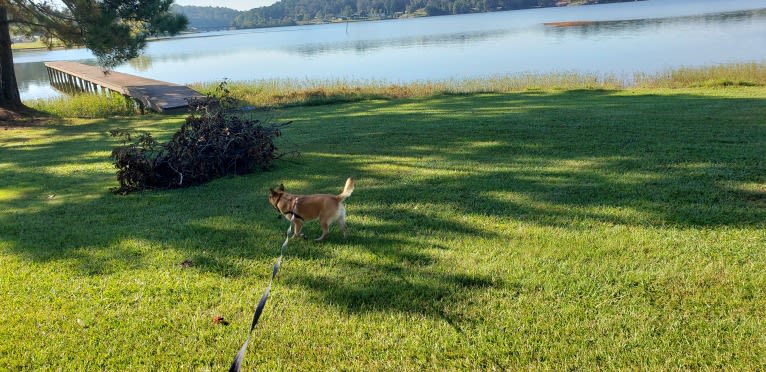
155 94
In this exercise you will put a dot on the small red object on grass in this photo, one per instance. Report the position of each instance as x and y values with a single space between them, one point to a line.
218 319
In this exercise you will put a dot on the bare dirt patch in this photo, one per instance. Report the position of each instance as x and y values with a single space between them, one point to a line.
22 120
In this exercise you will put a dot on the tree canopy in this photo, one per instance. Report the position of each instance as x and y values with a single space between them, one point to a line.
207 17
114 30
291 12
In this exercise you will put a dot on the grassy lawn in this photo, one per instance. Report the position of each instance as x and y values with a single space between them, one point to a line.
543 229
28 45
35 45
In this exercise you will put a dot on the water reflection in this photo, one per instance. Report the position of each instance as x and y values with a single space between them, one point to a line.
588 29
366 46
28 74
141 63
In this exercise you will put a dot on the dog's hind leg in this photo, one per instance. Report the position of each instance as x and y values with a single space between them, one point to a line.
325 229
342 222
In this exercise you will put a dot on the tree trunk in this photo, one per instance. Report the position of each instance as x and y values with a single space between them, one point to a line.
9 90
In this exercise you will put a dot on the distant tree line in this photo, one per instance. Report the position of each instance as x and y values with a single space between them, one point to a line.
295 12
207 17
292 12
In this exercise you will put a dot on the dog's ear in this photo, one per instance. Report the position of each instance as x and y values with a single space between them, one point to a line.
272 191
281 187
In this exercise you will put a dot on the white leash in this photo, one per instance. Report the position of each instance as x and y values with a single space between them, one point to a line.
237 363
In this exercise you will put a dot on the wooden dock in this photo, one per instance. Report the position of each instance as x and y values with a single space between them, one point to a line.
156 95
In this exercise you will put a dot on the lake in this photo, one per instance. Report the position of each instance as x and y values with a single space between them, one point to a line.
644 36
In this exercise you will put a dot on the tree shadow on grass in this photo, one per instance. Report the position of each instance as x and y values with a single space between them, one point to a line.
541 159
572 160
56 214
675 160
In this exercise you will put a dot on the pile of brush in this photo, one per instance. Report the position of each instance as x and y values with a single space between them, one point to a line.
213 142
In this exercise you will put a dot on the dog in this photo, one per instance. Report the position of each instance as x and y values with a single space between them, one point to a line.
303 208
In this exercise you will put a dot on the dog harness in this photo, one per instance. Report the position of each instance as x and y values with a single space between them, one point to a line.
295 204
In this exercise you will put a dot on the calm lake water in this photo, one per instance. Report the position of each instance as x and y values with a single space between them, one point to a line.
645 36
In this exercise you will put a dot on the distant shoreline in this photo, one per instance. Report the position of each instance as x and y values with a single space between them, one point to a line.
37 46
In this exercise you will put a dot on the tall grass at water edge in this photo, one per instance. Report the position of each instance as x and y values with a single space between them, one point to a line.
85 105
295 92
740 74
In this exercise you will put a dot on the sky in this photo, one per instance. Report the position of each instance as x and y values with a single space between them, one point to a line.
234 4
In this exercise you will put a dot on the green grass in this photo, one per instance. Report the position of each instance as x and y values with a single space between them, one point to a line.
546 229
28 45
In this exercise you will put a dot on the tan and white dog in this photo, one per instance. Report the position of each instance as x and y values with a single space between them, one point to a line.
303 208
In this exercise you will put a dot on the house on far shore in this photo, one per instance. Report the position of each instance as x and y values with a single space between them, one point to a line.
24 39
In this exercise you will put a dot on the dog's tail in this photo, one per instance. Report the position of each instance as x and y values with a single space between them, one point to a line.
347 190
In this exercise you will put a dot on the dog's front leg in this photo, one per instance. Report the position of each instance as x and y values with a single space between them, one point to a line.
297 225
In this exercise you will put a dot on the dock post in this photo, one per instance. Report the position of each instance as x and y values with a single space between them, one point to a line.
65 82
70 82
141 106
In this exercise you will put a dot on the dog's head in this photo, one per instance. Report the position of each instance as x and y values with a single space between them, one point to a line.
276 195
